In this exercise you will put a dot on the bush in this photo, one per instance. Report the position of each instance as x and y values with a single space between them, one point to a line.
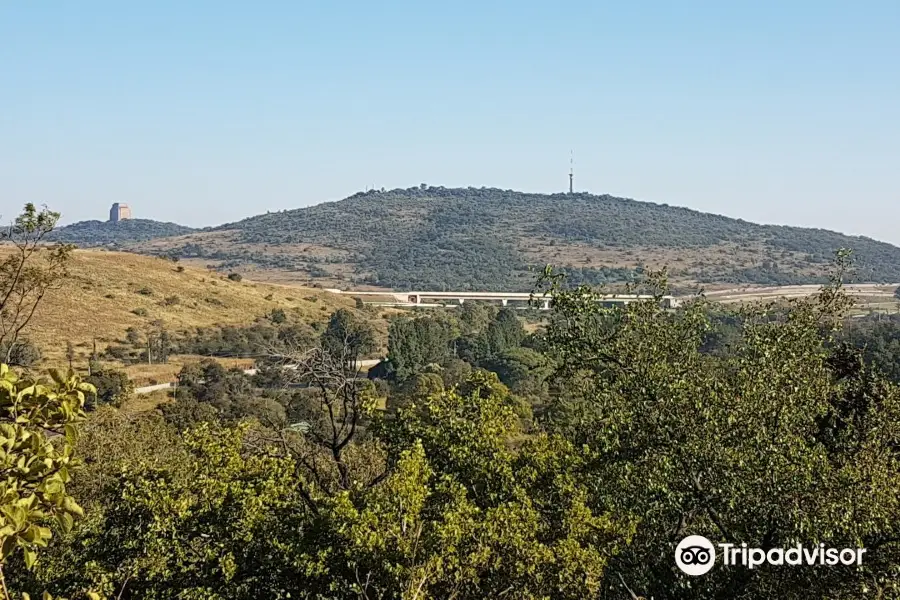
113 387
179 269
171 301
234 276
145 291
141 312
20 353
278 316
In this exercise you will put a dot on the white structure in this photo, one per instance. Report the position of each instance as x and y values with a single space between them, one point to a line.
440 298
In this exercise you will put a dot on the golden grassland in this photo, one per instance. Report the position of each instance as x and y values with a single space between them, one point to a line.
108 292
146 374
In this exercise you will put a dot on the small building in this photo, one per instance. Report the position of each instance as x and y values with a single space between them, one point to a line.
119 212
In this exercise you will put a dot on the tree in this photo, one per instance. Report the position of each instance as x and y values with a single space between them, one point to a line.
414 343
897 293
505 331
35 468
112 387
28 272
348 337
524 370
769 444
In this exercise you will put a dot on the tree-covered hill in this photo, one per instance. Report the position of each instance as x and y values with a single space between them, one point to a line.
435 237
103 233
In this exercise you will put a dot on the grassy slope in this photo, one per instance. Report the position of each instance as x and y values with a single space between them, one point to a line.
98 300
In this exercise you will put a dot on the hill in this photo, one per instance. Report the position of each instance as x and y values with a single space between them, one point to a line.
439 238
108 292
106 233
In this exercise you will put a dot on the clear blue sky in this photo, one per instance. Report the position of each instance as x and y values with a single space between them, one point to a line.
204 112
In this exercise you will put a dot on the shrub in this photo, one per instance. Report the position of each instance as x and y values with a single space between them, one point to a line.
145 291
141 312
113 387
171 301
234 276
179 269
20 353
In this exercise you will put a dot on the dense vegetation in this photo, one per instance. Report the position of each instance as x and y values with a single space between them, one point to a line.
106 233
477 461
438 238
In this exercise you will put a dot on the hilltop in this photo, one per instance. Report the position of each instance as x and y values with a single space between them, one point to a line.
492 239
108 292
106 233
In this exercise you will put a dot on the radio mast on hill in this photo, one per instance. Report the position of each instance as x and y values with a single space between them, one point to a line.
571 171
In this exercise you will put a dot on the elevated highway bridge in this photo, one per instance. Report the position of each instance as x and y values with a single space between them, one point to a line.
414 299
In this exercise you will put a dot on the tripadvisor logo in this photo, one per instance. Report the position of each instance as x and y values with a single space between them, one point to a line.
696 555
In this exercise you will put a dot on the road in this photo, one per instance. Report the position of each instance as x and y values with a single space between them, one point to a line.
149 389
872 290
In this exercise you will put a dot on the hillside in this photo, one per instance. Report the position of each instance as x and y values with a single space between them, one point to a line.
105 233
433 238
108 292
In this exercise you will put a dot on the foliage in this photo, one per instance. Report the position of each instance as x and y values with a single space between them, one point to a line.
277 316
35 468
414 343
112 387
235 277
769 445
349 336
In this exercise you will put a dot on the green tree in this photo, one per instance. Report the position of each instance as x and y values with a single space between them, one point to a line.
348 337
414 343
112 387
770 444
505 331
35 468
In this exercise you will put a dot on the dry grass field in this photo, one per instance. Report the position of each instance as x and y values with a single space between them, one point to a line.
108 292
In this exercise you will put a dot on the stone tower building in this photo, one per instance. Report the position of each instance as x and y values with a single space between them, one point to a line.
119 212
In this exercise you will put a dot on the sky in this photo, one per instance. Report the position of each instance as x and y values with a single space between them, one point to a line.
206 112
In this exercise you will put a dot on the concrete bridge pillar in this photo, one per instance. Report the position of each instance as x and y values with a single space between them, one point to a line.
503 301
546 305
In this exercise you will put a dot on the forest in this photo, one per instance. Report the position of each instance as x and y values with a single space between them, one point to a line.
492 453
